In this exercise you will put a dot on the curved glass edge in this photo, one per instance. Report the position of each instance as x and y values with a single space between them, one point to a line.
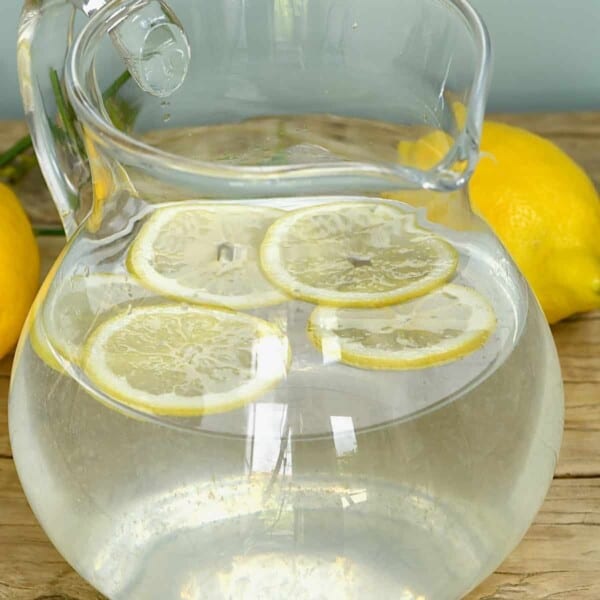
450 174
466 148
44 143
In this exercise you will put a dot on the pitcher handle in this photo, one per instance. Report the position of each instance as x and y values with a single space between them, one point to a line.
55 132
63 164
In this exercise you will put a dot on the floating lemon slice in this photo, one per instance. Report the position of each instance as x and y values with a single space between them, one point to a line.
443 326
206 254
185 360
78 304
355 254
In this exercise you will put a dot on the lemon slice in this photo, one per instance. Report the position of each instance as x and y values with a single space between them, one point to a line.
355 254
206 254
185 360
77 304
443 326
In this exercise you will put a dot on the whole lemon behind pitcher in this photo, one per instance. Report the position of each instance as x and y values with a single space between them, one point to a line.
539 202
19 268
546 211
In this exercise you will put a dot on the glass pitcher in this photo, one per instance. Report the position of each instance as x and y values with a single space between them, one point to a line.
279 356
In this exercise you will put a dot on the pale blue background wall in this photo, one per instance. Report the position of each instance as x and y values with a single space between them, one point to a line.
547 54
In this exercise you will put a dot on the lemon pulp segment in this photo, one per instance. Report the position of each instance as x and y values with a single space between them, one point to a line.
355 254
185 360
206 253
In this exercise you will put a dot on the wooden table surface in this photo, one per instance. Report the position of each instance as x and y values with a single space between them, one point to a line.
559 558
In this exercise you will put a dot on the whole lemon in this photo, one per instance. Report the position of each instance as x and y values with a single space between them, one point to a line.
19 268
546 211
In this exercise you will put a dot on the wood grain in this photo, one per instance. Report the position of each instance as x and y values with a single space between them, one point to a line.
30 567
4 443
578 343
558 559
31 189
5 365
560 555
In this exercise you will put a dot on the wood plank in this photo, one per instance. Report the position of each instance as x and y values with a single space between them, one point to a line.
579 455
589 316
30 567
580 451
578 344
10 132
570 125
31 189
5 451
50 247
582 407
560 555
550 585
5 366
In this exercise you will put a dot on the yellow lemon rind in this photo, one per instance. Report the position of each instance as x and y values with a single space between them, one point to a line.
236 400
19 269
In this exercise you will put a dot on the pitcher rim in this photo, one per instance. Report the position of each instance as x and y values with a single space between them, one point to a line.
443 176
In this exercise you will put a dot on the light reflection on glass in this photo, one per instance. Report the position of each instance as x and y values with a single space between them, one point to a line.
331 349
268 448
356 497
344 436
190 590
270 354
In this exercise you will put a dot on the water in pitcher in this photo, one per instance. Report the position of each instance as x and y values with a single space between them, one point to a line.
385 451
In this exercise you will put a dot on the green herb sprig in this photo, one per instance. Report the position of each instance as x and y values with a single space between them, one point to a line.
14 163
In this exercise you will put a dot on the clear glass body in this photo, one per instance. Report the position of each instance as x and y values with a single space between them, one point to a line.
339 481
